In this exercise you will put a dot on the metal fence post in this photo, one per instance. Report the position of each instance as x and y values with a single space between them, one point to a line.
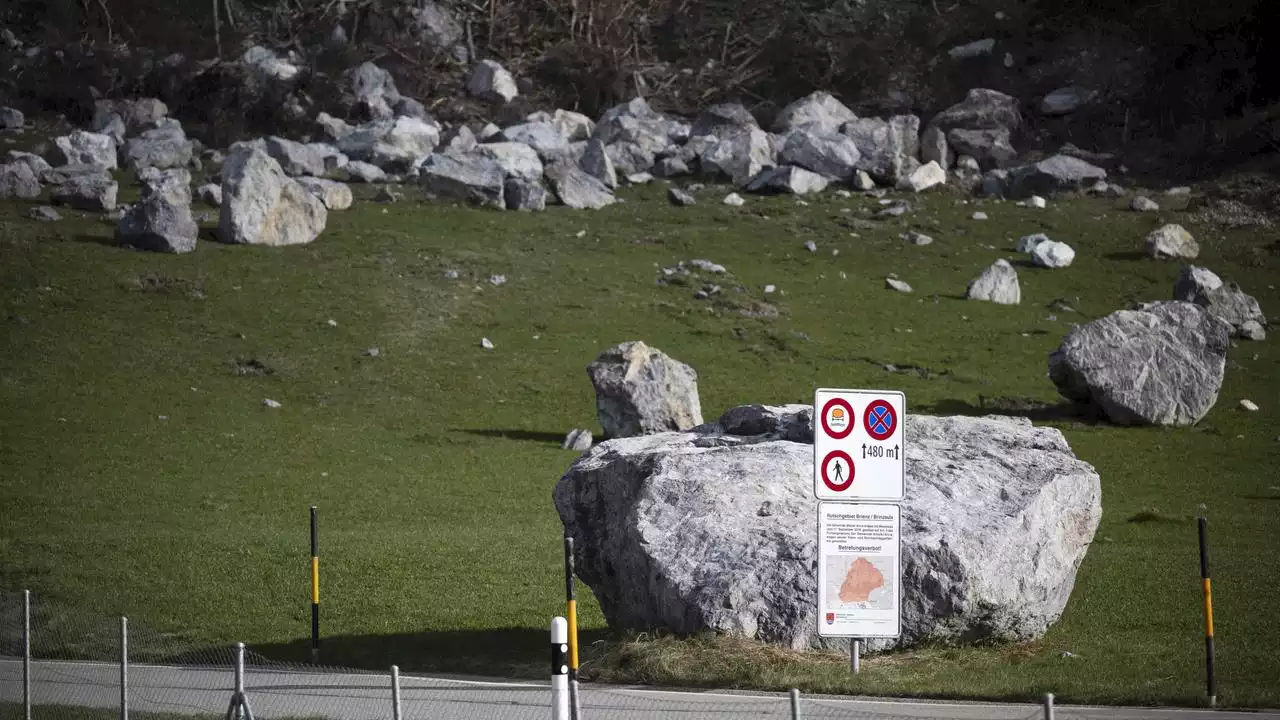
124 668
1048 706
795 704
26 654
395 692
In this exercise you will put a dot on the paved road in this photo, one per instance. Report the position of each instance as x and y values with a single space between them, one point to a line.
277 694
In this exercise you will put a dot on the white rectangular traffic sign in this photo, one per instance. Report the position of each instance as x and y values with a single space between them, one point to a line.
859 446
859 570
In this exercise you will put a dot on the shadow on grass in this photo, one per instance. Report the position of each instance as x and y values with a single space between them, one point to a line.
1034 410
1127 256
527 435
107 240
500 652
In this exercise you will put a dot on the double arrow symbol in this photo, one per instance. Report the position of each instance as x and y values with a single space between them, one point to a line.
894 456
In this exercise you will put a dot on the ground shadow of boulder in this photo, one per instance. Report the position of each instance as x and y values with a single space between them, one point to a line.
1034 410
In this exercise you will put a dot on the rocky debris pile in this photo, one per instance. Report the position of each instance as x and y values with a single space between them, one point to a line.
712 528
1160 364
641 390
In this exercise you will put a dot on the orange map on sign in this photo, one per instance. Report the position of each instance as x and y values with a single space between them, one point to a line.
862 578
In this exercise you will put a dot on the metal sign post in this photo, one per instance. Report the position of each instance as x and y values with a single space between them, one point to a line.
859 477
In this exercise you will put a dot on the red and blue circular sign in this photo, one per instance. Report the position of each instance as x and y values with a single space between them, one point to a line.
880 420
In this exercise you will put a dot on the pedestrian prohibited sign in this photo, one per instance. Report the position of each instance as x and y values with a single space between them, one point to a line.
859 445
837 470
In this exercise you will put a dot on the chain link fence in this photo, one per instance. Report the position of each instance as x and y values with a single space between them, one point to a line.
83 667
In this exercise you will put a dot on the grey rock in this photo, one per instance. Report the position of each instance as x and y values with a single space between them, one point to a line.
515 159
44 213
1231 304
357 171
1055 174
1161 364
163 148
18 181
680 197
1027 243
671 167
862 181
210 194
525 194
573 126
408 107
917 238
299 159
575 188
896 284
39 166
1172 241
640 179
733 200
488 132
832 155
787 179
596 163
975 49
371 91
333 128
1066 100
926 176
713 529
491 82
578 440
739 157
1194 282
114 126
1106 161
981 109
85 148
334 195
934 147
11 119
437 28
544 137
393 145
818 111
473 178
640 390
137 114
457 140
263 206
1052 254
990 147
997 284
161 221
979 215
722 119
1252 330
267 67
1142 203
94 192
885 146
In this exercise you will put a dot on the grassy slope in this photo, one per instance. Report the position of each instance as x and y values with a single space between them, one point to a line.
433 463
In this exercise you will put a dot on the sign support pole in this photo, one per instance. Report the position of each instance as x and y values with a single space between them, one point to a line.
855 655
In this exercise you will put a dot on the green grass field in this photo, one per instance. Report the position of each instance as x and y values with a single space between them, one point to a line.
141 474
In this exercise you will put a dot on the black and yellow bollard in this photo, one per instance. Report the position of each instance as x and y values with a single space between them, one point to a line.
315 589
571 596
1210 683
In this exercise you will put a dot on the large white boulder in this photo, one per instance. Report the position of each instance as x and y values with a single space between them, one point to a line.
263 206
714 528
